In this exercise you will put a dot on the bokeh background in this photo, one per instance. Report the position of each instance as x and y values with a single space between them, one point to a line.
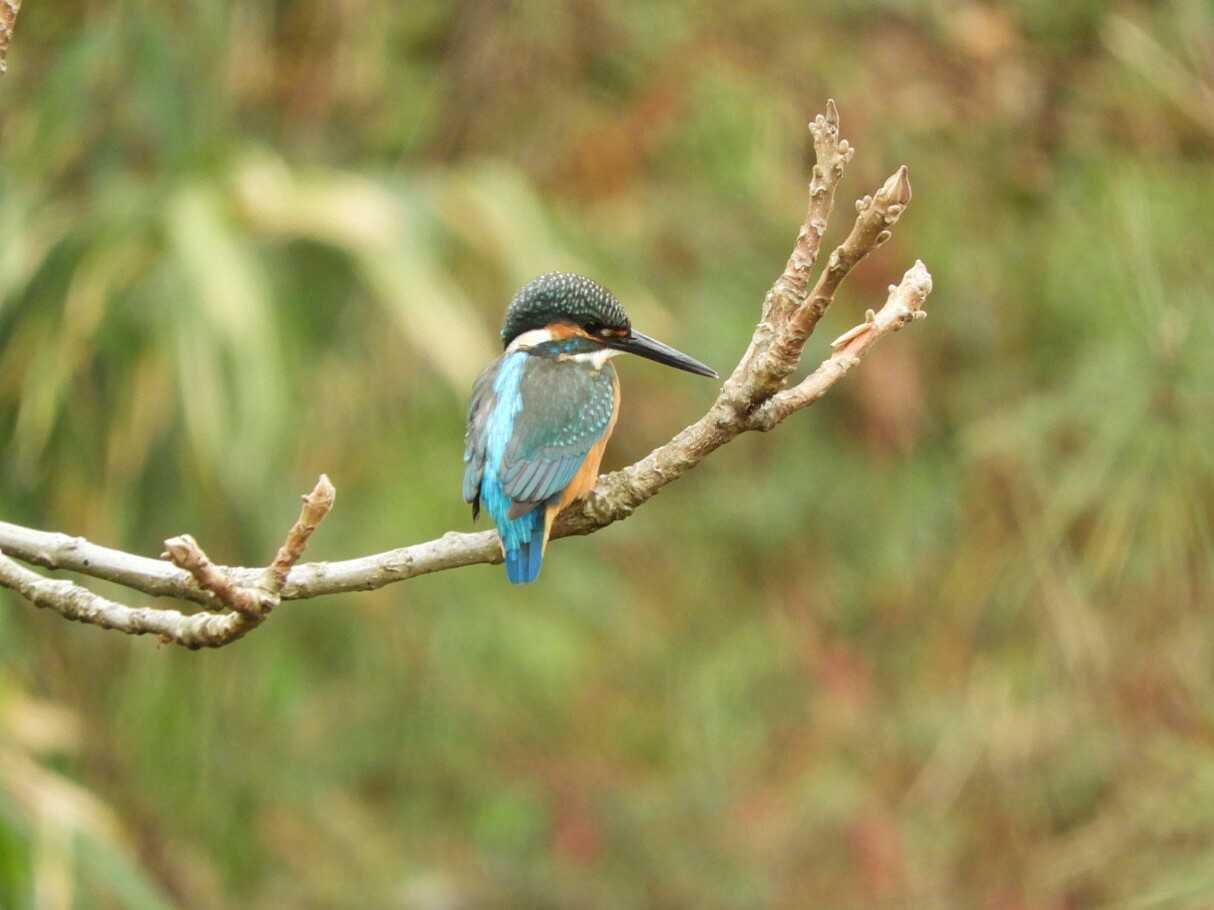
944 640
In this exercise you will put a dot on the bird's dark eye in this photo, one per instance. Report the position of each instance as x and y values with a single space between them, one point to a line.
594 328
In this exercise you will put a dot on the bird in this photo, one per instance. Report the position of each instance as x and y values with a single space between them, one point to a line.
540 415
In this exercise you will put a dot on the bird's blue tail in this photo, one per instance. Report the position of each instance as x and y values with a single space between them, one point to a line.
524 560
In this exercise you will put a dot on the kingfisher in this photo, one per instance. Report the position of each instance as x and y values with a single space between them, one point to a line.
541 413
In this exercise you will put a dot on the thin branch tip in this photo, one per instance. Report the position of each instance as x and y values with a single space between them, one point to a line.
904 304
324 491
920 278
898 186
316 505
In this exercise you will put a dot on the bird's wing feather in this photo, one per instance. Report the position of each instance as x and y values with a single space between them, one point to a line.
479 408
567 407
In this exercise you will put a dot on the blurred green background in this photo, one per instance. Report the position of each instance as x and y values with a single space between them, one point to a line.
941 641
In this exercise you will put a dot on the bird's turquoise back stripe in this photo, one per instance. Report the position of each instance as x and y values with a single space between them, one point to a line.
507 403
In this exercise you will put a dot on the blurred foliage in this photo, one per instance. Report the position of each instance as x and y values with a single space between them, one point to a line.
942 641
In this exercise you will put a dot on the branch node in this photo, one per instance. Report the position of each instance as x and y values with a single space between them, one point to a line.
185 553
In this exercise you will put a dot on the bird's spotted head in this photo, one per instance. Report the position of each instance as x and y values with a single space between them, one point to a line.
566 315
565 298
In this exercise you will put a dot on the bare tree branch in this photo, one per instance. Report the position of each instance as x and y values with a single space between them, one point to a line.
8 21
183 551
250 601
831 156
80 604
904 305
754 397
875 220
52 550
316 506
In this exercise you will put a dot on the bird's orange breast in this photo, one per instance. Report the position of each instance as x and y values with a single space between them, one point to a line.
588 474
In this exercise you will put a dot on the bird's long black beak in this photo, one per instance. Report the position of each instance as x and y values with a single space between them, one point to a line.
644 346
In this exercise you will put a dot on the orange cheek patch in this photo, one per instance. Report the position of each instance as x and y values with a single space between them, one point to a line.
560 330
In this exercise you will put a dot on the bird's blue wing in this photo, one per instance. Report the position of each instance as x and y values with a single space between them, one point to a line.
566 409
475 436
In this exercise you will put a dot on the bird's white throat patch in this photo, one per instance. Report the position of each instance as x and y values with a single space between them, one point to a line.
595 358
